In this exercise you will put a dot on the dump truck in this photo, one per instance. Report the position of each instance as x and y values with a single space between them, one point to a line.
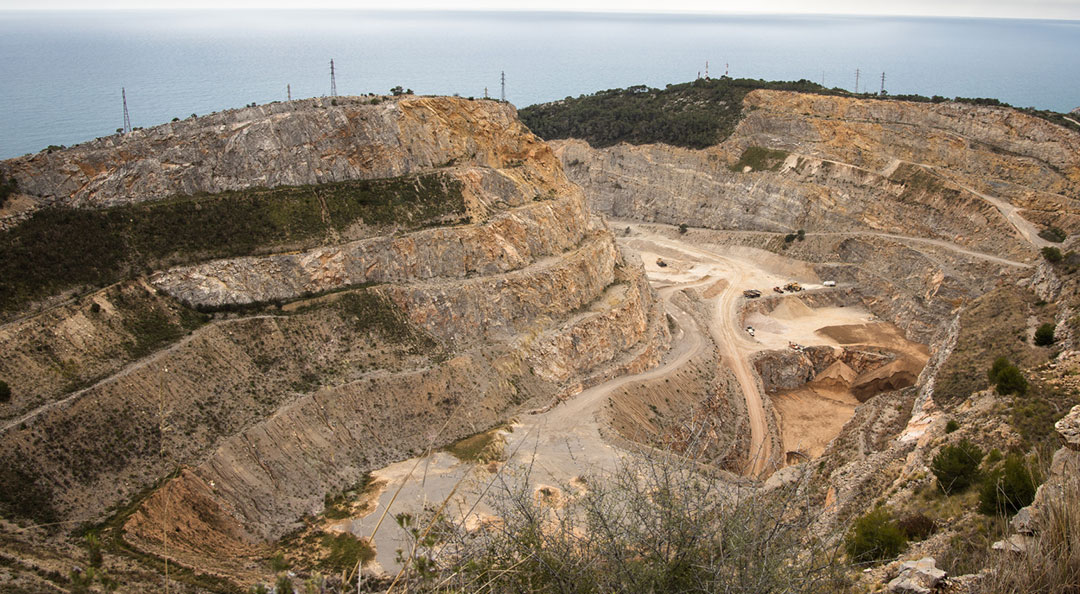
778 290
661 263
750 330
751 293
793 287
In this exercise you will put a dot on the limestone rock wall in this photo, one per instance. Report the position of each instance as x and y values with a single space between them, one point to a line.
302 142
886 166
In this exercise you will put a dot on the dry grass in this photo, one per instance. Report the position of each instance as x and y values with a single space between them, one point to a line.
1051 564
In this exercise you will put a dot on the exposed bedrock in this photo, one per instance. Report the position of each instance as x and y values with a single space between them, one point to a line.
311 141
852 165
389 340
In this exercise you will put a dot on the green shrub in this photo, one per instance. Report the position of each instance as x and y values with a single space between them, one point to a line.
1052 254
956 466
951 426
917 526
1044 335
1007 490
1011 381
993 456
345 551
874 537
8 186
1053 234
1007 378
5 391
283 585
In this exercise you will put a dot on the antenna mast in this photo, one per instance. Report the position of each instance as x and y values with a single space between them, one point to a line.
127 119
333 81
725 68
856 81
503 92
288 89
706 70
882 84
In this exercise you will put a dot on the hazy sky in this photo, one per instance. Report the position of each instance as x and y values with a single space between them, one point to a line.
1044 9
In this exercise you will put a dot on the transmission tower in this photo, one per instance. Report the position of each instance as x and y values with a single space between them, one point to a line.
503 92
706 70
856 81
882 93
288 90
333 81
127 118
725 69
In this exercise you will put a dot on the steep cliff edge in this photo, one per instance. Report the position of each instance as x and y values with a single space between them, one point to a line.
381 318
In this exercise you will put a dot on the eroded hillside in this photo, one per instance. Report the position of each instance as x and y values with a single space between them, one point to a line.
289 297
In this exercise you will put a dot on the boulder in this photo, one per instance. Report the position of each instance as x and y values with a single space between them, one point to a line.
1016 543
1069 428
917 577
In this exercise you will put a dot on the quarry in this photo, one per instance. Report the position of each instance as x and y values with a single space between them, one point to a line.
317 338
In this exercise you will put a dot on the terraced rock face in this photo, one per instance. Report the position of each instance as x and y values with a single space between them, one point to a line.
984 178
402 314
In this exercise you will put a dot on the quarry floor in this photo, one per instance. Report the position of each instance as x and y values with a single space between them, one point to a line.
559 446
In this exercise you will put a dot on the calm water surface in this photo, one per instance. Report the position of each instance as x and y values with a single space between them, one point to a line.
62 73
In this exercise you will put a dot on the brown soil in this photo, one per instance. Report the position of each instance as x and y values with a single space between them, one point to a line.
812 415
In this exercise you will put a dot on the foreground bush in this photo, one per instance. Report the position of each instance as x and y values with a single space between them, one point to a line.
650 526
1007 490
956 466
874 537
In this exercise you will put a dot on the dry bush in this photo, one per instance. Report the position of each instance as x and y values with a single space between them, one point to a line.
656 523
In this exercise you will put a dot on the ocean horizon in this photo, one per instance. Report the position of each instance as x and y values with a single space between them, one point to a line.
64 71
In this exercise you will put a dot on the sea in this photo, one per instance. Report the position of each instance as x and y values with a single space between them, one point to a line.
61 73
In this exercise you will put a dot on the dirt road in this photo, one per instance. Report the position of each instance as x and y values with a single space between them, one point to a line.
556 446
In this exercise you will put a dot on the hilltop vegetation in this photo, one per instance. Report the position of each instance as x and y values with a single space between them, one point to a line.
59 248
695 114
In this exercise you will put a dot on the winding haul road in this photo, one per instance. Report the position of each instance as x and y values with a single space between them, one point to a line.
724 325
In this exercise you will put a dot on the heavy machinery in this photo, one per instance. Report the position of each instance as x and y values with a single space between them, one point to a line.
793 287
751 293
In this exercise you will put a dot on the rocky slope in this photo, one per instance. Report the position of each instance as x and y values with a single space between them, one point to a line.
304 369
845 164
